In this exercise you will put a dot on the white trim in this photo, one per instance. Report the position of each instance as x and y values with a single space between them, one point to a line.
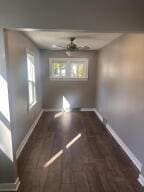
24 141
60 109
141 179
52 109
86 109
53 59
99 116
10 186
67 79
133 158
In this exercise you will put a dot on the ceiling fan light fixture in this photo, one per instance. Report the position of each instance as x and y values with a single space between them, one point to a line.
54 46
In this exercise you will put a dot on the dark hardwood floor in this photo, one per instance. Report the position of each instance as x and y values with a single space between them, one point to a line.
73 152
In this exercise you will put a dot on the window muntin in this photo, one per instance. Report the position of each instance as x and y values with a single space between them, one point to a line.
31 79
68 68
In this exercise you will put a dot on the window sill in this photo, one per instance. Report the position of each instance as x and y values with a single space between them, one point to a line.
68 79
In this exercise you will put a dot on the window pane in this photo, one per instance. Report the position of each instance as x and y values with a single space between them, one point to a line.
81 70
31 93
56 69
69 68
31 68
59 69
31 79
74 69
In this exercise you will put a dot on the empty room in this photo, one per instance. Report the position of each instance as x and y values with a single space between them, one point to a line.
71 96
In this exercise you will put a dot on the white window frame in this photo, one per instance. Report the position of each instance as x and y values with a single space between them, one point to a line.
31 105
52 60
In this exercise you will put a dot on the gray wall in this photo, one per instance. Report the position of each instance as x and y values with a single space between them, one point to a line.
7 161
93 15
22 118
78 93
120 90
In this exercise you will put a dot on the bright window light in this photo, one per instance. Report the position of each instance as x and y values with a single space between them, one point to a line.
68 68
5 134
58 114
31 79
5 141
66 105
4 101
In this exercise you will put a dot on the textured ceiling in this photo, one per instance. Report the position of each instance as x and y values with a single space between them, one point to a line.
46 39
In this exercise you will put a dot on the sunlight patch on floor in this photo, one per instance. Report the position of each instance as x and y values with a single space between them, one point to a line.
58 114
73 141
57 155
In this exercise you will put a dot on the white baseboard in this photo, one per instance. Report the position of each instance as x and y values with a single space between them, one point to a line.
52 109
141 179
10 186
60 109
133 158
24 141
99 116
87 109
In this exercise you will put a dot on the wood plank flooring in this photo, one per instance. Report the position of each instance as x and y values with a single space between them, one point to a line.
73 152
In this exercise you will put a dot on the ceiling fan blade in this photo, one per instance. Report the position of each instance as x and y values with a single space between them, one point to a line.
58 46
84 48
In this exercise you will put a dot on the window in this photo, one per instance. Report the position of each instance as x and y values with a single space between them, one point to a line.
31 79
68 68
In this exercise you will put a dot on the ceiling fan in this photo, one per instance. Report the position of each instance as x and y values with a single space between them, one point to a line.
71 47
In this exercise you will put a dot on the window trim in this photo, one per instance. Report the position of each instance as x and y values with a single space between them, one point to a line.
30 106
68 78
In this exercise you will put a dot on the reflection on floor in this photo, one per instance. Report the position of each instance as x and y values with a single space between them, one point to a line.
73 152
